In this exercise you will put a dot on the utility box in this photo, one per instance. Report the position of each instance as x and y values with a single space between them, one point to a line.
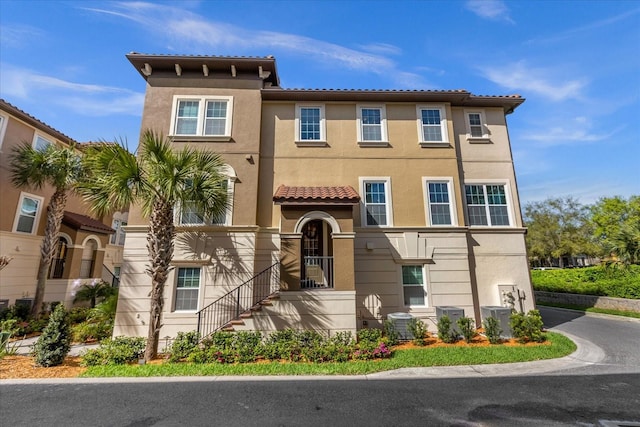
25 301
502 315
454 313
401 324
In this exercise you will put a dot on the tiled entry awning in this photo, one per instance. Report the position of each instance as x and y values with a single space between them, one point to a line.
82 222
341 195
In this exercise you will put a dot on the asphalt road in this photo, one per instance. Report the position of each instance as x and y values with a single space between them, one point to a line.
605 391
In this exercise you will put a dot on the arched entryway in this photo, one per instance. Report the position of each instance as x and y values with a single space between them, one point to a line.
88 258
59 259
317 255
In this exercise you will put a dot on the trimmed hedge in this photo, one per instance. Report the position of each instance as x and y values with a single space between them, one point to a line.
609 281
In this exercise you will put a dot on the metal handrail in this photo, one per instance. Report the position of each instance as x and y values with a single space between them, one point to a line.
239 300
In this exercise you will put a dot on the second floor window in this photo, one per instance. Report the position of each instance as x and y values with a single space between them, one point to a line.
487 204
372 124
376 202
439 203
27 215
202 117
432 124
310 123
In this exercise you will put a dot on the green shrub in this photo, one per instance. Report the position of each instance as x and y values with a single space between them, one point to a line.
55 342
78 314
527 327
492 329
601 280
87 331
372 335
282 345
445 333
247 346
467 328
115 351
419 331
391 334
183 345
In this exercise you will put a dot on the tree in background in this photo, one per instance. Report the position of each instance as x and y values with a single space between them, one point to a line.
557 228
159 179
61 168
616 227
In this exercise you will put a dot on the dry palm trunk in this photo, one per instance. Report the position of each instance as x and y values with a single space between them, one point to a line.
160 247
49 242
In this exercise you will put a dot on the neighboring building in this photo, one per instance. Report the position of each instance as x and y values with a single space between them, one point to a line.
84 250
372 201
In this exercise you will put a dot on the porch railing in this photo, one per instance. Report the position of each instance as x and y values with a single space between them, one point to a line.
109 277
318 272
57 268
239 300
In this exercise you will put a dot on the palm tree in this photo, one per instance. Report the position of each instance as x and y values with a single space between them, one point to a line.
61 168
159 179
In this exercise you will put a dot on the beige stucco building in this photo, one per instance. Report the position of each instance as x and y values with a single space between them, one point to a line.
365 202
88 248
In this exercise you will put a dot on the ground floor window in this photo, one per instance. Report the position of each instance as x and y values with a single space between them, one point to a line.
413 285
187 289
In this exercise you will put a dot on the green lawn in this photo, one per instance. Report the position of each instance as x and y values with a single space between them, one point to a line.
557 346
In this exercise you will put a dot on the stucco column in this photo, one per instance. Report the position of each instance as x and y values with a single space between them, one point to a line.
343 263
72 263
98 264
290 261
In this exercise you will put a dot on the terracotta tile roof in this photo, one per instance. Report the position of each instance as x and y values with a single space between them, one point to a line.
316 195
83 222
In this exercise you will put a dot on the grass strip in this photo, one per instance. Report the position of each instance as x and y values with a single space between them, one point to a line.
591 309
557 346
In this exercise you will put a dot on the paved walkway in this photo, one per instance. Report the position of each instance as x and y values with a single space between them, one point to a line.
23 347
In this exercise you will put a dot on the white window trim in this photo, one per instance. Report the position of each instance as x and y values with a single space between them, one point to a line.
175 288
425 285
36 220
388 204
453 212
37 135
485 138
201 113
507 194
228 221
384 141
444 128
3 128
323 135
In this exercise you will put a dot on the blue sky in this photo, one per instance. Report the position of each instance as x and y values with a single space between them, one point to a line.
577 63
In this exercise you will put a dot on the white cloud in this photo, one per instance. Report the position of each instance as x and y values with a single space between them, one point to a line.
494 10
519 76
586 190
186 30
83 99
561 131
18 36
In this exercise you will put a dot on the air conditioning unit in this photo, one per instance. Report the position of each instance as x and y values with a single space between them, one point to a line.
502 315
401 324
454 313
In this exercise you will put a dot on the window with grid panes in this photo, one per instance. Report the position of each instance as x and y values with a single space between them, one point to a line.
187 289
487 204
413 285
